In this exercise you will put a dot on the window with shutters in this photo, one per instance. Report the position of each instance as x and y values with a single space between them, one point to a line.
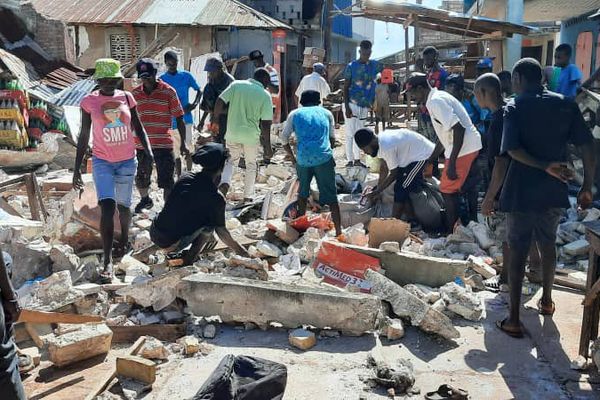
124 47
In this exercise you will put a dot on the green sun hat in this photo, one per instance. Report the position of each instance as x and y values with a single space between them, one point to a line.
107 68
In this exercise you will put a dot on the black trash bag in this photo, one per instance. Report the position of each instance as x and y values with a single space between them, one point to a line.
428 205
244 378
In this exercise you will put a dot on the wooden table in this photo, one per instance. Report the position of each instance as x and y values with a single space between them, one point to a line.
591 302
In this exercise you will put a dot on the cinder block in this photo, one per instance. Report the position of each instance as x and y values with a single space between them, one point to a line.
137 368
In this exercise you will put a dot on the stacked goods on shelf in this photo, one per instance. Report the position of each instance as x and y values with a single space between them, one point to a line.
13 116
40 122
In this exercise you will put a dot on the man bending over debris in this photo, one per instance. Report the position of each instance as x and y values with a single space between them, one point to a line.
11 387
314 129
459 140
403 155
196 209
538 125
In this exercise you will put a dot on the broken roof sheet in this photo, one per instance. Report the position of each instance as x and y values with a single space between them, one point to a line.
557 10
399 11
26 74
539 11
161 12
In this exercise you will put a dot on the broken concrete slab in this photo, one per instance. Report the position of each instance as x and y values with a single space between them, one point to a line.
479 265
393 329
158 292
49 294
30 260
63 258
142 240
153 349
391 247
577 248
190 345
88 288
13 227
283 231
302 339
463 302
137 368
268 249
404 268
87 342
405 304
243 300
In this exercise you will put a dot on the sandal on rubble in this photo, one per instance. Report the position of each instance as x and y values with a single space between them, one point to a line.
447 392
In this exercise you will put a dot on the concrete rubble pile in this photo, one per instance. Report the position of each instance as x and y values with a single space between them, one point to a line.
152 293
477 240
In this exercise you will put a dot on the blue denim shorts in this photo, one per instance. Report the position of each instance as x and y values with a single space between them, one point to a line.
114 180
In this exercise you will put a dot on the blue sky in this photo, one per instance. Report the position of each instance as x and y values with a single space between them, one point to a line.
389 38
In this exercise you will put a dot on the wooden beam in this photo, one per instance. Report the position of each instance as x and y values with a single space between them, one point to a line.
32 198
459 25
8 208
44 317
165 332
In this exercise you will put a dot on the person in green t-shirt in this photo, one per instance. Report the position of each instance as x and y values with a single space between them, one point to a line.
249 116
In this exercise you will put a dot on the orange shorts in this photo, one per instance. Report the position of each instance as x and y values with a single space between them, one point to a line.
463 166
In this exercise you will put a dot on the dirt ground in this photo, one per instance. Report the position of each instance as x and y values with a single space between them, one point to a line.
484 361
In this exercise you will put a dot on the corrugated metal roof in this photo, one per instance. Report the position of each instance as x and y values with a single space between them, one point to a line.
436 19
73 95
161 12
540 11
557 10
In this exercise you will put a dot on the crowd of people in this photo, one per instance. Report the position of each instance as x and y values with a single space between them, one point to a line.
488 141
508 138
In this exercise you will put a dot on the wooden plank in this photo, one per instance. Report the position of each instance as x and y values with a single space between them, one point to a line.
38 194
8 208
33 205
11 182
44 317
165 332
103 385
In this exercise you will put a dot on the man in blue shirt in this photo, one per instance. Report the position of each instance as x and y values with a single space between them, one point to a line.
570 76
182 82
538 126
359 96
314 129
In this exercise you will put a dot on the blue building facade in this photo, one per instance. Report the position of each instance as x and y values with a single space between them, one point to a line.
583 34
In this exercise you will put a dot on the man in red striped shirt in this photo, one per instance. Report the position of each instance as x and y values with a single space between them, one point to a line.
157 104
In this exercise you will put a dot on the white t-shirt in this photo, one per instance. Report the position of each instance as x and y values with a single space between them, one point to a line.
446 111
313 81
400 147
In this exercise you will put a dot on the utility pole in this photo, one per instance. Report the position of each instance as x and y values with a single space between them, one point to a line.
327 22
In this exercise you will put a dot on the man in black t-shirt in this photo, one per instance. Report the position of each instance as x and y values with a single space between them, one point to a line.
538 125
195 208
488 92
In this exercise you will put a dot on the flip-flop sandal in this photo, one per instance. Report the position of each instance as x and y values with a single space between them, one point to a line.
512 332
447 392
106 276
545 310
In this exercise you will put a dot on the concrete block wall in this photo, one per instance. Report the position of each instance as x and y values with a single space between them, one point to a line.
52 35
